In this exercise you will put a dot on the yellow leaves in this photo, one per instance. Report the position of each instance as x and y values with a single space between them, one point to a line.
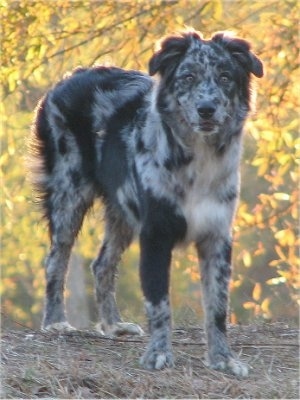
248 305
36 51
287 137
247 259
265 308
245 218
179 20
256 293
260 249
259 306
286 275
9 204
282 196
286 237
283 159
276 281
236 283
193 258
12 79
280 252
193 273
262 164
267 135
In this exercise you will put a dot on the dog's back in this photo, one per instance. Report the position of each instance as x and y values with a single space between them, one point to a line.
74 120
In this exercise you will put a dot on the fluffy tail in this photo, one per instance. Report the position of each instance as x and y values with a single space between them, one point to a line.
38 160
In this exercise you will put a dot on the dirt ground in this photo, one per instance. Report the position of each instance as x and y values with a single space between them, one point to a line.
83 365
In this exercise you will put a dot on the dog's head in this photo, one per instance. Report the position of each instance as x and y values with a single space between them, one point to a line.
205 83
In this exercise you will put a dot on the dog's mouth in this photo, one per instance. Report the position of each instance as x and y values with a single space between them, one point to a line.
207 126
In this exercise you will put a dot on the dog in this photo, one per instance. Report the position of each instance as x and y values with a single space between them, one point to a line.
163 155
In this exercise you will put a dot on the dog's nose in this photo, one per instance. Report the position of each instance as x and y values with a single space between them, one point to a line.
206 110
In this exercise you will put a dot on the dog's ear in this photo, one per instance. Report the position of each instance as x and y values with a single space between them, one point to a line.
171 50
240 50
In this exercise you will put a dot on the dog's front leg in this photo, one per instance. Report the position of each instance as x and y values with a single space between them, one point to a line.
154 269
215 253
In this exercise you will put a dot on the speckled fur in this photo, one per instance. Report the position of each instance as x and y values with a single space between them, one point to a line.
163 155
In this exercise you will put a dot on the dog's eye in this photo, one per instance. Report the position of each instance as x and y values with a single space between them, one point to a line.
224 78
188 78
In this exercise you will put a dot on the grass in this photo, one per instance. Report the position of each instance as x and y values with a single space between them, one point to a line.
83 365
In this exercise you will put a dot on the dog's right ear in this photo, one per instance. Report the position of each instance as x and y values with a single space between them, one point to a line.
171 50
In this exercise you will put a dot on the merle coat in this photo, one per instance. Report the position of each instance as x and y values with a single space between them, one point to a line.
163 155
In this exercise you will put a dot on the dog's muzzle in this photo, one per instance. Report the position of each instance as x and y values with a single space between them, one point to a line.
206 111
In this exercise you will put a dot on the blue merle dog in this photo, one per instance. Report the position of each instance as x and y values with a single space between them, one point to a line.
163 155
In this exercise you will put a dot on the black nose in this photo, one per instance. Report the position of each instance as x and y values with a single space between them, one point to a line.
206 110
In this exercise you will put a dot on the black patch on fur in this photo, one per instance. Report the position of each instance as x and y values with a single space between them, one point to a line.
75 177
140 146
134 209
220 321
229 196
227 250
162 228
62 146
74 99
114 165
178 157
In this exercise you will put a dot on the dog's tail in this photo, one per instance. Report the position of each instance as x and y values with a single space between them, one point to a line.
38 160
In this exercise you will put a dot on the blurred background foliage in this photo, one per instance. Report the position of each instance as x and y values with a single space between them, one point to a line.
41 40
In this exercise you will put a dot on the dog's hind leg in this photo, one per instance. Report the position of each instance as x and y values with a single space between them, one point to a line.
65 213
118 236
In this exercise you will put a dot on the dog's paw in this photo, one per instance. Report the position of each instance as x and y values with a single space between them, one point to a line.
230 365
157 359
127 328
120 329
59 327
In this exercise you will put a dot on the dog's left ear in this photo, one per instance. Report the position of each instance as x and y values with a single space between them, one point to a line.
240 49
172 49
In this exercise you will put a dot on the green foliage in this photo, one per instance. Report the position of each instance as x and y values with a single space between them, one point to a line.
43 40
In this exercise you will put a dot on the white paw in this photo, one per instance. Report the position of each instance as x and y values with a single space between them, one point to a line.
59 327
127 328
237 368
231 365
119 329
155 359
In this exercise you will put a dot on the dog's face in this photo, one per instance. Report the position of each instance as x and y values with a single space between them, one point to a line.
205 83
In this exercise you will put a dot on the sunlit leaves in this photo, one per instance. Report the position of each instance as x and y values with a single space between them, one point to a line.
247 258
256 293
41 40
260 307
286 237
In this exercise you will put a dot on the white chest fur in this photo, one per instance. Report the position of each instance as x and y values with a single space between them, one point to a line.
211 186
